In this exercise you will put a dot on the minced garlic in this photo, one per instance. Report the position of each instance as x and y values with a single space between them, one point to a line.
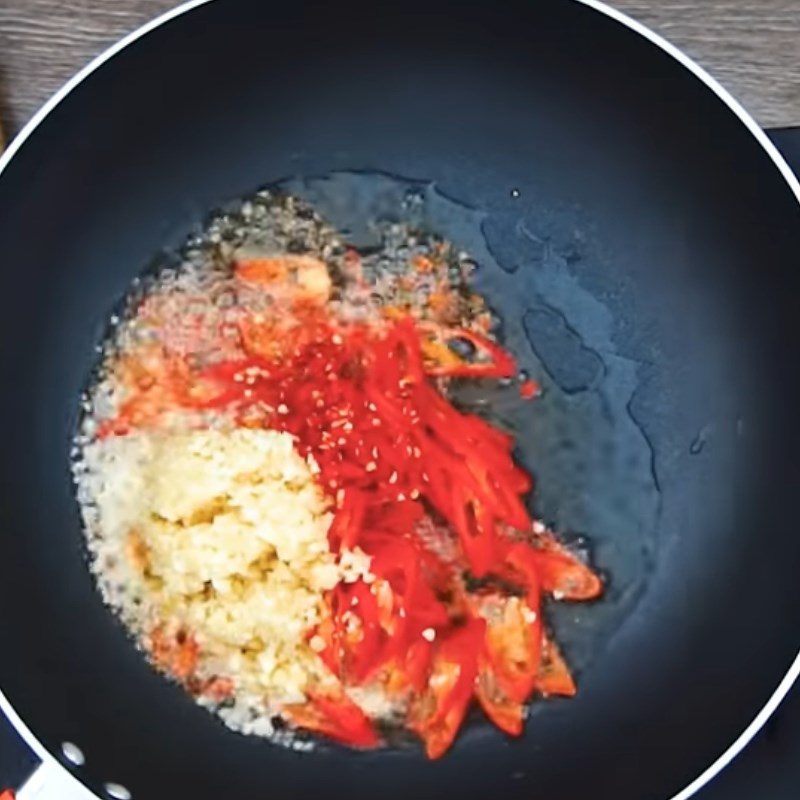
230 542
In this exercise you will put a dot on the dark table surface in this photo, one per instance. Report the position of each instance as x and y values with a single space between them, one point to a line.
748 45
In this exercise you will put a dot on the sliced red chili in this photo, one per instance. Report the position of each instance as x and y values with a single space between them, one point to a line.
554 677
413 606
514 646
490 361
390 448
395 517
348 522
513 641
562 573
438 711
475 526
529 389
360 637
417 663
333 714
372 625
504 712
409 671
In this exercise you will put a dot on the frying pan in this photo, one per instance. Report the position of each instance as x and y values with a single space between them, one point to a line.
637 234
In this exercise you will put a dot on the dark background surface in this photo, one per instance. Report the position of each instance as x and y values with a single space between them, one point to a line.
769 768
750 46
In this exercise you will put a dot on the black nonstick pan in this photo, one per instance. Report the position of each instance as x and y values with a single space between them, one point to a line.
640 239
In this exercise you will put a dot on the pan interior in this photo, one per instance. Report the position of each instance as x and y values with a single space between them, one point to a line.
641 250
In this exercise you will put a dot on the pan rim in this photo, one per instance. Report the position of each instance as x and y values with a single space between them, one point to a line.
793 672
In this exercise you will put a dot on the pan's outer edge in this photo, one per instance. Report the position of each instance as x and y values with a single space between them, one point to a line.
735 106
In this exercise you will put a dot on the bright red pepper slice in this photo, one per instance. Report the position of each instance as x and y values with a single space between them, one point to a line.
395 517
503 500
504 712
514 625
362 637
460 431
333 714
394 559
495 362
529 389
514 646
348 522
437 713
409 671
425 610
438 575
395 563
512 643
413 606
562 573
404 346
417 663
370 626
554 677
475 526
352 634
